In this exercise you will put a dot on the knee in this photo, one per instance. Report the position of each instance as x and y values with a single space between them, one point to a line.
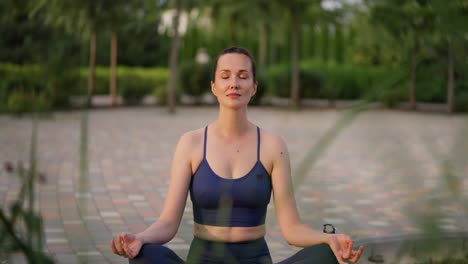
322 253
152 253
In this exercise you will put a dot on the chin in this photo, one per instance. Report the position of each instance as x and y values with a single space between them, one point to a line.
234 105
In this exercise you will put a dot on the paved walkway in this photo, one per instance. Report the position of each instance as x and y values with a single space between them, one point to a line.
377 177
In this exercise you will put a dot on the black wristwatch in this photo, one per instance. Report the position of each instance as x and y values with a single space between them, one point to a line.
329 229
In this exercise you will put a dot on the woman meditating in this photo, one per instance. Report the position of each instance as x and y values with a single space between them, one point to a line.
230 168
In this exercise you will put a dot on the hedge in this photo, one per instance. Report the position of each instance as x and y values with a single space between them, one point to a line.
20 84
347 82
324 81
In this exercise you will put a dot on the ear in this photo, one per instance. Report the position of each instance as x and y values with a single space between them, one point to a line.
213 90
254 88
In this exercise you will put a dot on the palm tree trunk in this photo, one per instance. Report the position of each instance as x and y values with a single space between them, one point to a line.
294 59
171 87
412 95
92 66
450 79
113 62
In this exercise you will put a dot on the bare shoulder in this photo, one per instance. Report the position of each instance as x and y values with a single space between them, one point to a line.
273 148
190 145
272 141
191 139
192 136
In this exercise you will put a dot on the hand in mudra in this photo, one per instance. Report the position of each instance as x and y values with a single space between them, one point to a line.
126 245
342 247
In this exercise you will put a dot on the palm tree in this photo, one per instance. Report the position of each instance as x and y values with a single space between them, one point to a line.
451 25
297 11
173 59
118 13
409 22
77 17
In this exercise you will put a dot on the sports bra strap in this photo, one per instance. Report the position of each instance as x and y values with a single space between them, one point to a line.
258 144
204 143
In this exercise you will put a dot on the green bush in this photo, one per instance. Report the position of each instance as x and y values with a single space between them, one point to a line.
430 87
391 97
346 82
41 103
27 78
20 102
160 93
60 87
133 83
56 84
133 88
194 78
33 79
17 85
331 81
461 97
151 76
391 89
279 82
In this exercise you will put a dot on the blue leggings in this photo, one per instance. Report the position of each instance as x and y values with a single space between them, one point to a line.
249 252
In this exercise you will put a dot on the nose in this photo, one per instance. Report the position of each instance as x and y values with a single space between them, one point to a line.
234 83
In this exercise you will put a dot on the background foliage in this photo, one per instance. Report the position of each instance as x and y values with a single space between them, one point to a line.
390 51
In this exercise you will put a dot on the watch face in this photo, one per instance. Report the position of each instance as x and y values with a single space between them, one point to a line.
329 229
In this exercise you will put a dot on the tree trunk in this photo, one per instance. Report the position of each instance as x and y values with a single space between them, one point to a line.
113 62
92 67
171 86
450 79
412 99
294 59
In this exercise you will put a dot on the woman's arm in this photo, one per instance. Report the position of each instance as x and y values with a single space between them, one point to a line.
292 228
295 233
165 228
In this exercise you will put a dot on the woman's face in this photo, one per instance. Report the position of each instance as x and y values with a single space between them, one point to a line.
234 84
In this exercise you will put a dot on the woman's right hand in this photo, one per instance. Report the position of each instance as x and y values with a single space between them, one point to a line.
126 245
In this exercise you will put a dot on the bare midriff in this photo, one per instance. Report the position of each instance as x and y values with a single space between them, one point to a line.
228 233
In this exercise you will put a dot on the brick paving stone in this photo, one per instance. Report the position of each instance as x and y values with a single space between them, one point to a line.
372 179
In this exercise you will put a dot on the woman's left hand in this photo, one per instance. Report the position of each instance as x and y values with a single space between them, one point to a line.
342 247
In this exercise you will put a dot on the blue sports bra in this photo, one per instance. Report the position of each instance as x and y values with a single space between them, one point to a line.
239 202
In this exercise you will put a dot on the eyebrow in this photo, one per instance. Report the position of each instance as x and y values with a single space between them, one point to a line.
226 70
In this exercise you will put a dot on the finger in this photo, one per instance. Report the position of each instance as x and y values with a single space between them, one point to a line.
357 254
337 251
348 249
126 238
123 245
114 248
118 244
127 250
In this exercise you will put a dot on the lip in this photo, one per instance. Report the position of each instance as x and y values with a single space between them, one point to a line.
233 95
